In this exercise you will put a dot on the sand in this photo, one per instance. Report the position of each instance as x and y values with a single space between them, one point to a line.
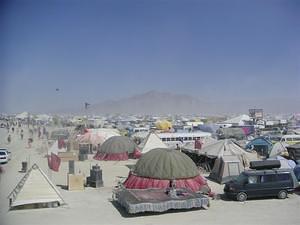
94 206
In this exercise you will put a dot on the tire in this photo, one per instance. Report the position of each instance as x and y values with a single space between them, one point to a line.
241 197
282 194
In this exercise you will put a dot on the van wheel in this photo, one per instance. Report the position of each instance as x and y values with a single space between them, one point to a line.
282 194
241 197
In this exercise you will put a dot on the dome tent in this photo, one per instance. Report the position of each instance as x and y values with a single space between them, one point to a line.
117 148
158 167
163 125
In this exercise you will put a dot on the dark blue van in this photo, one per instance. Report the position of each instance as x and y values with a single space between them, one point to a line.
261 183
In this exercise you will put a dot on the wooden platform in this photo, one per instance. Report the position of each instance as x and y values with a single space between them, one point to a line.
157 200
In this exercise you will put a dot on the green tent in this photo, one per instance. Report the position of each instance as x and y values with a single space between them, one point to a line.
118 144
167 164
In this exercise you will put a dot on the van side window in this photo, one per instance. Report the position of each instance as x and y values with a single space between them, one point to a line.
267 178
283 177
252 179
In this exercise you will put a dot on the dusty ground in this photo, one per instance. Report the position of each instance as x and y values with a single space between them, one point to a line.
94 206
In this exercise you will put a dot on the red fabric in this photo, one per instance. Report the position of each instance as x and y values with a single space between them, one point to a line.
137 154
198 144
61 143
111 156
136 182
54 162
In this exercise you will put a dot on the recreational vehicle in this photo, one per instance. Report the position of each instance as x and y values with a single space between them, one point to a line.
174 139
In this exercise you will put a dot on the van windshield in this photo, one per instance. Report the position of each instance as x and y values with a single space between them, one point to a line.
241 178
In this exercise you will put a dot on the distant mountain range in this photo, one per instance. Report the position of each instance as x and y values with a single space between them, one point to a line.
154 103
163 103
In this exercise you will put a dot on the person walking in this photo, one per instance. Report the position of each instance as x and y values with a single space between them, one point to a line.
9 139
22 134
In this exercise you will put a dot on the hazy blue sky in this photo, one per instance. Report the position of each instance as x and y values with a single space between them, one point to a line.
98 50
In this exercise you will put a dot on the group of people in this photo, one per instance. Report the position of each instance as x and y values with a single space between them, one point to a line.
41 132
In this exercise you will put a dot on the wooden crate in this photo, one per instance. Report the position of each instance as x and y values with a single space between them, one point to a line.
75 182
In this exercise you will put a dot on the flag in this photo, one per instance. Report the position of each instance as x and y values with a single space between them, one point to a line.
53 162
198 144
181 139
86 105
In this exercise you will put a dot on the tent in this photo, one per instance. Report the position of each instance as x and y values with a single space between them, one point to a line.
35 190
278 149
226 168
59 134
261 145
230 132
23 116
230 159
158 167
117 148
284 163
294 151
152 141
97 136
239 120
163 125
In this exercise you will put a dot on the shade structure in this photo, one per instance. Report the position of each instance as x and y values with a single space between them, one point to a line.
97 136
117 148
91 138
158 167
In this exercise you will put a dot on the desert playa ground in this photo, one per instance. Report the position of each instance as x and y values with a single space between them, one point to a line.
95 206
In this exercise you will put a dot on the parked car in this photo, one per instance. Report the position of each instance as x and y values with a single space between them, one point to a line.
261 183
4 155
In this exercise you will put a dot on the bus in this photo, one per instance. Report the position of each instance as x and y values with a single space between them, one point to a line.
174 139
290 139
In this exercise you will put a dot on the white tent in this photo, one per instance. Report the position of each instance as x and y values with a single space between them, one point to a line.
190 146
35 188
230 161
152 141
278 148
22 116
239 120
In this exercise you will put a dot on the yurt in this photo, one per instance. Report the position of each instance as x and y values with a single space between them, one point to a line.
158 167
117 148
